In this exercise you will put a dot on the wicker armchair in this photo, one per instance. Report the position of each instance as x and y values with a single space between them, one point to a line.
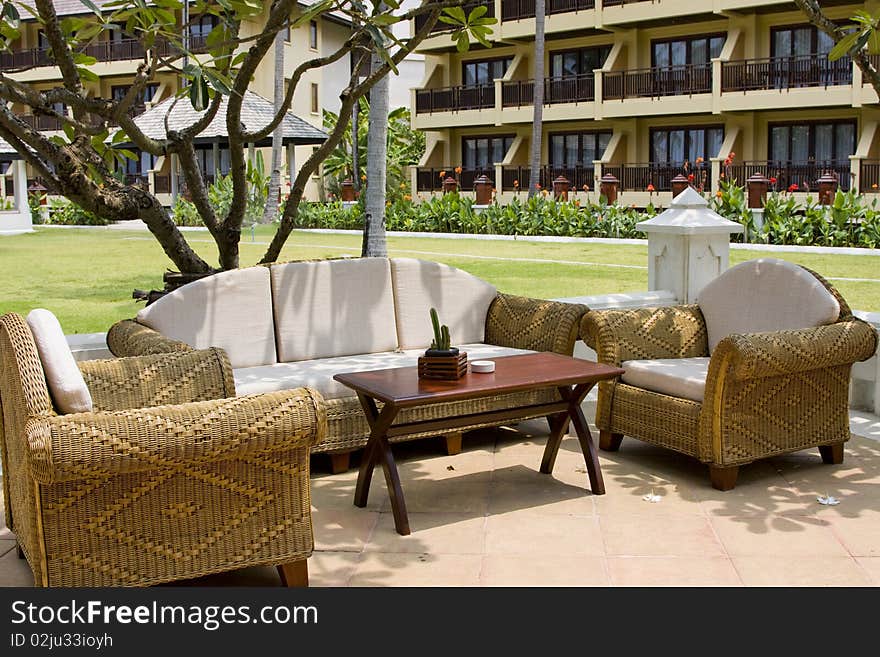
764 393
170 477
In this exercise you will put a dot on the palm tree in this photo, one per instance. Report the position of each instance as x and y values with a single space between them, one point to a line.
538 100
271 209
377 143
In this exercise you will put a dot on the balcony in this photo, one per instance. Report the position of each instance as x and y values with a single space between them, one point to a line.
785 73
103 51
429 179
457 98
513 177
869 176
440 26
514 10
657 175
657 82
802 174
573 89
41 122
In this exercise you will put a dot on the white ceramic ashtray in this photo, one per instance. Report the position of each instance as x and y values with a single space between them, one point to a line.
482 366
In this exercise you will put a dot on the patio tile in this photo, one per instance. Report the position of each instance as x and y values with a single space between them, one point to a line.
332 568
860 534
672 571
476 465
15 571
435 533
871 565
557 570
800 571
527 532
659 535
540 493
768 534
337 491
396 569
456 495
6 545
343 529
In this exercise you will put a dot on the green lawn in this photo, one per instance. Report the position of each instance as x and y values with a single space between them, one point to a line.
86 276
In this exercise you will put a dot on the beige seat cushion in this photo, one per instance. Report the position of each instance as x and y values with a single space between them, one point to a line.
319 373
333 308
66 384
676 377
462 302
765 295
231 310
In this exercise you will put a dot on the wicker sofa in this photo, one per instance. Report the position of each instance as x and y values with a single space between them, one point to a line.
758 367
169 477
299 323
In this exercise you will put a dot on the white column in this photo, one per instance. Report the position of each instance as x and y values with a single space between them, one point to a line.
19 180
215 157
291 163
173 169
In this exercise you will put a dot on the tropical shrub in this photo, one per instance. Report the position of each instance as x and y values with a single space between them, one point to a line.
68 213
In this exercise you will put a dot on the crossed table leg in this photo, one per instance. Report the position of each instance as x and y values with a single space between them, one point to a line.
378 449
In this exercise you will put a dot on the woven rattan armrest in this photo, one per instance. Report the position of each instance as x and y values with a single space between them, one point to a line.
88 445
777 353
645 333
535 324
179 377
128 338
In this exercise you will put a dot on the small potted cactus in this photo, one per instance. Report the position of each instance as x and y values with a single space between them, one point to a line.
441 360
440 346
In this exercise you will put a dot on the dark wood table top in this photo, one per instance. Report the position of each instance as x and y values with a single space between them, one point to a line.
403 387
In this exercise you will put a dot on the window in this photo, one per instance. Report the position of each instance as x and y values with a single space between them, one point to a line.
315 105
484 152
147 94
570 63
199 29
205 159
680 145
483 71
42 41
313 35
832 141
573 149
696 51
799 41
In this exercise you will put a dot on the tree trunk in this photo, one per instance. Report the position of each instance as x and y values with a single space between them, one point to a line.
377 146
355 147
271 210
538 101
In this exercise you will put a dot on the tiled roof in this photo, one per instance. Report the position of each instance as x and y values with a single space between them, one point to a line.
256 113
64 7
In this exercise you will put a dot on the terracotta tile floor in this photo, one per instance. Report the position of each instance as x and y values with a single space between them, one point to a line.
488 517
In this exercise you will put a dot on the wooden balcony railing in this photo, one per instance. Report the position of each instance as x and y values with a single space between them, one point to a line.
783 175
137 179
449 99
785 73
41 122
658 81
517 177
429 179
619 3
440 26
161 183
570 89
656 176
514 10
103 51
869 177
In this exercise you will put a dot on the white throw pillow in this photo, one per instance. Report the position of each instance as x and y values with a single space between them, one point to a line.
65 381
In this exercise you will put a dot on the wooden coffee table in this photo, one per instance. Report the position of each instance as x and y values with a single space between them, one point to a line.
400 388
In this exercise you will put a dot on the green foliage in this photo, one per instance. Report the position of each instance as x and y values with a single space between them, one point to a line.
220 195
405 148
863 34
67 213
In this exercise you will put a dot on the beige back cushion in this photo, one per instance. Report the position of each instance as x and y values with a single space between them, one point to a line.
462 302
63 378
765 295
333 308
231 310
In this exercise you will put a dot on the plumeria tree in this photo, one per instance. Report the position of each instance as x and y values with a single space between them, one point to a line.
79 165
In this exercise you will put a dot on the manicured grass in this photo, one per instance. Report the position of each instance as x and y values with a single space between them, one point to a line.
86 276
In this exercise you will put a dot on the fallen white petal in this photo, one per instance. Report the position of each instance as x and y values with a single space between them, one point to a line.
828 501
652 498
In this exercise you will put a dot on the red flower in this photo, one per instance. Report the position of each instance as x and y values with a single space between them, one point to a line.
650 187
773 181
792 188
690 177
